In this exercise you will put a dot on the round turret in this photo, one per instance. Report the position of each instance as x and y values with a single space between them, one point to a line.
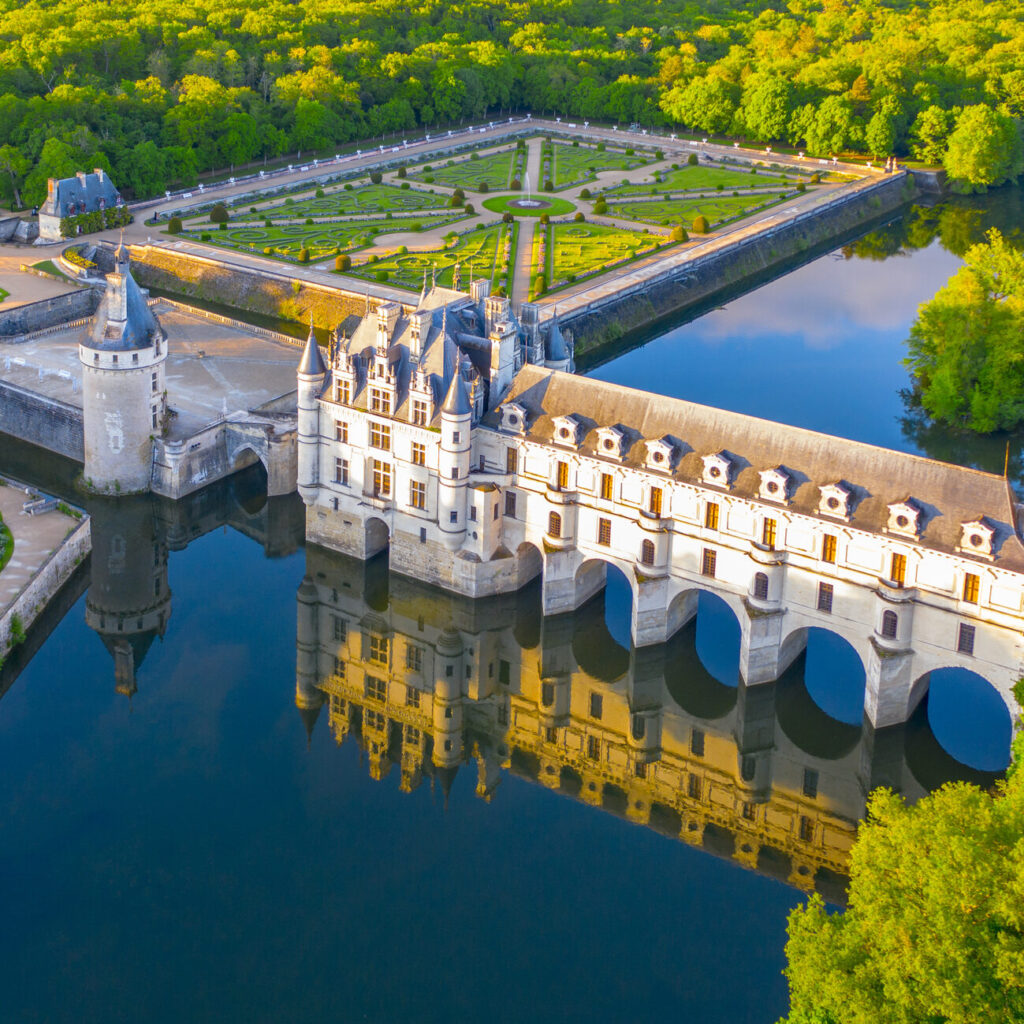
311 374
453 461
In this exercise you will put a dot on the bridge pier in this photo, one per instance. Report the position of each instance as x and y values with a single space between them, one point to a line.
764 656
888 684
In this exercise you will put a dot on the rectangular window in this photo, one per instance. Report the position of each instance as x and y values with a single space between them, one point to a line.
154 419
551 734
376 689
419 412
898 570
510 504
380 401
341 471
453 516
563 475
547 694
504 672
379 649
511 460
965 639
972 585
806 829
412 735
419 454
380 436
640 769
593 748
596 705
748 811
343 392
828 547
156 384
341 431
502 715
418 494
810 783
606 486
825 597
693 786
604 532
340 629
708 562
654 504
472 513
337 704
381 479
697 742
711 515
414 658
769 531
412 697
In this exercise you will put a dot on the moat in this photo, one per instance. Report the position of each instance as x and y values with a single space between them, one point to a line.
186 851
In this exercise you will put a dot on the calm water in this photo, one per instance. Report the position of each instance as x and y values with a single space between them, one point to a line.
182 841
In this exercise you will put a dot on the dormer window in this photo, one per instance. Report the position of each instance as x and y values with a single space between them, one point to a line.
513 417
976 538
610 442
567 430
659 455
774 485
716 470
835 501
904 519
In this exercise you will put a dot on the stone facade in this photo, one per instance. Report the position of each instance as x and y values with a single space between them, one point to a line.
917 564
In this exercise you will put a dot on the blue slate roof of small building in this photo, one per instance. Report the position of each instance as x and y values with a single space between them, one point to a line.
83 193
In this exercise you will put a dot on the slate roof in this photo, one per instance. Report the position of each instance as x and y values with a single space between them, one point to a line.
123 320
82 188
948 495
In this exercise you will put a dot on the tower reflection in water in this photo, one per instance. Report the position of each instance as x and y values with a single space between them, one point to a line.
429 683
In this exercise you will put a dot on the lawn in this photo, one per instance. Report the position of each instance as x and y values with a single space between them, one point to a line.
690 179
3 294
553 206
568 165
494 168
716 208
51 268
341 203
323 240
483 253
574 250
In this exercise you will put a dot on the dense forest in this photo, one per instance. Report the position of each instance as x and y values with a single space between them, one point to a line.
157 91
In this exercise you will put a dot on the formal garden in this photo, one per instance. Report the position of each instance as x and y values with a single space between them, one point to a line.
347 200
568 164
481 253
690 178
478 172
685 210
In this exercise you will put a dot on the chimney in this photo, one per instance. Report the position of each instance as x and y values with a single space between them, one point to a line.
81 176
51 186
98 171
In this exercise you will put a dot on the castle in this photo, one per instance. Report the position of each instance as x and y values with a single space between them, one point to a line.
453 436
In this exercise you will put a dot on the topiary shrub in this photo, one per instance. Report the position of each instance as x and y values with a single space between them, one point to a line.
348 186
303 255
267 251
309 220
601 147
343 262
540 284
268 223
753 170
507 218
428 178
691 160
174 225
381 275
549 185
485 186
222 227
815 179
515 185
204 237
576 143
700 224
455 201
406 184
472 156
579 217
584 193
719 187
545 219
801 187
319 193
659 155
468 210
679 234
376 177
219 214
401 171
629 152
600 207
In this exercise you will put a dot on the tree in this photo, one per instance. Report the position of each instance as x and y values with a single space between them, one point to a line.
984 150
219 214
934 931
146 170
929 134
966 348
15 166
884 128
766 106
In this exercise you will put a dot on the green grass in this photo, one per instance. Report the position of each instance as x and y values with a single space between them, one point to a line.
572 165
3 294
690 179
6 544
575 250
495 169
486 252
323 240
555 207
339 203
51 268
716 208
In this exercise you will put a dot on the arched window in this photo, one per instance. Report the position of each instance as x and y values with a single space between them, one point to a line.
554 525
647 552
889 624
761 587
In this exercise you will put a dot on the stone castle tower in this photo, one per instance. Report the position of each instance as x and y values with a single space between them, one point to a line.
123 385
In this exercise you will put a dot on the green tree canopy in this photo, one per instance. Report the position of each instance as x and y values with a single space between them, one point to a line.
984 150
966 348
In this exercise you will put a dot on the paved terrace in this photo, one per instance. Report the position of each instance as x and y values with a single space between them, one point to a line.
212 368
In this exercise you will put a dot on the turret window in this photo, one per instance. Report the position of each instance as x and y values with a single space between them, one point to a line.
456 437
604 532
562 475
825 592
761 586
965 639
554 525
708 563
155 383
889 625
647 552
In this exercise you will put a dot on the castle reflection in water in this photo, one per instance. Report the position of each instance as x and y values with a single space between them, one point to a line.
428 683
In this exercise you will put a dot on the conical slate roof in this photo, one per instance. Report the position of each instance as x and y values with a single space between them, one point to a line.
557 348
123 320
456 402
312 362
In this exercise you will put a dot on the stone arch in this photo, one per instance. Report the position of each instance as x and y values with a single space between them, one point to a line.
718 635
968 715
596 648
803 722
832 671
529 563
245 455
376 536
689 683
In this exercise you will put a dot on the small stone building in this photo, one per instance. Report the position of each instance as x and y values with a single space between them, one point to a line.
68 197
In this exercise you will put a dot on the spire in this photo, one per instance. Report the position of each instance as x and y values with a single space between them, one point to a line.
366 309
423 292
312 362
309 717
121 255
456 402
433 276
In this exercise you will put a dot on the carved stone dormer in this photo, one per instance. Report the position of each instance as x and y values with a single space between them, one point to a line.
387 320
835 501
717 469
904 519
774 485
419 328
977 538
660 454
611 442
513 418
567 431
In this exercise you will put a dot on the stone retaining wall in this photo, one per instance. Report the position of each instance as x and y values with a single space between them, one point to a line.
42 421
37 316
48 579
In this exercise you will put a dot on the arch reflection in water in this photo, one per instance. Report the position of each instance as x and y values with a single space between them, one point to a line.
428 683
